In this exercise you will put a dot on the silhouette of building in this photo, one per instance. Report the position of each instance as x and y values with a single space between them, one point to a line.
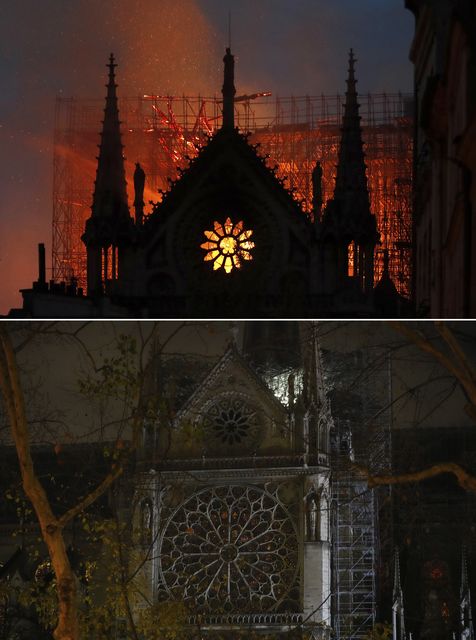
444 55
227 239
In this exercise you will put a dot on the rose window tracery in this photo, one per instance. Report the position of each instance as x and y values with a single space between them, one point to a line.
228 245
231 421
230 548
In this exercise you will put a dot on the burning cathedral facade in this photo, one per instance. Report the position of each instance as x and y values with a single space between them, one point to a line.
228 239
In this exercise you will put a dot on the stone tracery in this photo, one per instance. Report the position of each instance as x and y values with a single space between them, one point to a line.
230 548
228 245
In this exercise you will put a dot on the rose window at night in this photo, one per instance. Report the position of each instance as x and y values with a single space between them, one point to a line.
228 245
230 548
231 421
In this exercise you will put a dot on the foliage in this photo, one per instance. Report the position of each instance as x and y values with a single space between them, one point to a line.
117 377
117 381
114 598
380 631
163 621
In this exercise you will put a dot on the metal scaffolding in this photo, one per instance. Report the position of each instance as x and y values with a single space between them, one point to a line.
361 530
162 132
354 550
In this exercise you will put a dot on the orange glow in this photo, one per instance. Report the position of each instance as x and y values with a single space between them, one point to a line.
351 260
436 573
164 132
227 245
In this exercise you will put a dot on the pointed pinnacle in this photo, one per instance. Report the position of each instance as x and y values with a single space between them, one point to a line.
110 185
228 90
397 587
352 61
464 571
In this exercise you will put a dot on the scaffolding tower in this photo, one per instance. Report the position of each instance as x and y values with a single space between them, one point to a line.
354 549
362 535
164 132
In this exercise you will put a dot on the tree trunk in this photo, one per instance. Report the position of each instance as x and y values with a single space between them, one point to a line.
67 627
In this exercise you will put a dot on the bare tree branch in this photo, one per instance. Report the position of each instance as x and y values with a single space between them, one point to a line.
465 480
458 365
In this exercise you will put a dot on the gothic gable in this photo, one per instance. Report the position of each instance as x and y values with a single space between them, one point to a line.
227 226
234 413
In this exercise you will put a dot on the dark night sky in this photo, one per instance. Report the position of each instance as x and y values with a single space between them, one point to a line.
59 47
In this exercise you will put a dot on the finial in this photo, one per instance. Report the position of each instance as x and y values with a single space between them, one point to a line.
229 29
352 61
111 65
229 90
111 85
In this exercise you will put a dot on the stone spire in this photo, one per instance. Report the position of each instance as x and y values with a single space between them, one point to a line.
314 377
228 91
398 613
107 231
317 418
351 189
348 227
466 615
110 195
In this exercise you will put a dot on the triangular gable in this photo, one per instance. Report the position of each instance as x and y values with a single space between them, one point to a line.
228 179
233 148
233 412
234 373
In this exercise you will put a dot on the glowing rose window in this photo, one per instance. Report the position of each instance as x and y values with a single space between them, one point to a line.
228 245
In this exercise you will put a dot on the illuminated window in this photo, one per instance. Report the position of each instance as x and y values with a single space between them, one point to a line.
228 245
351 257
